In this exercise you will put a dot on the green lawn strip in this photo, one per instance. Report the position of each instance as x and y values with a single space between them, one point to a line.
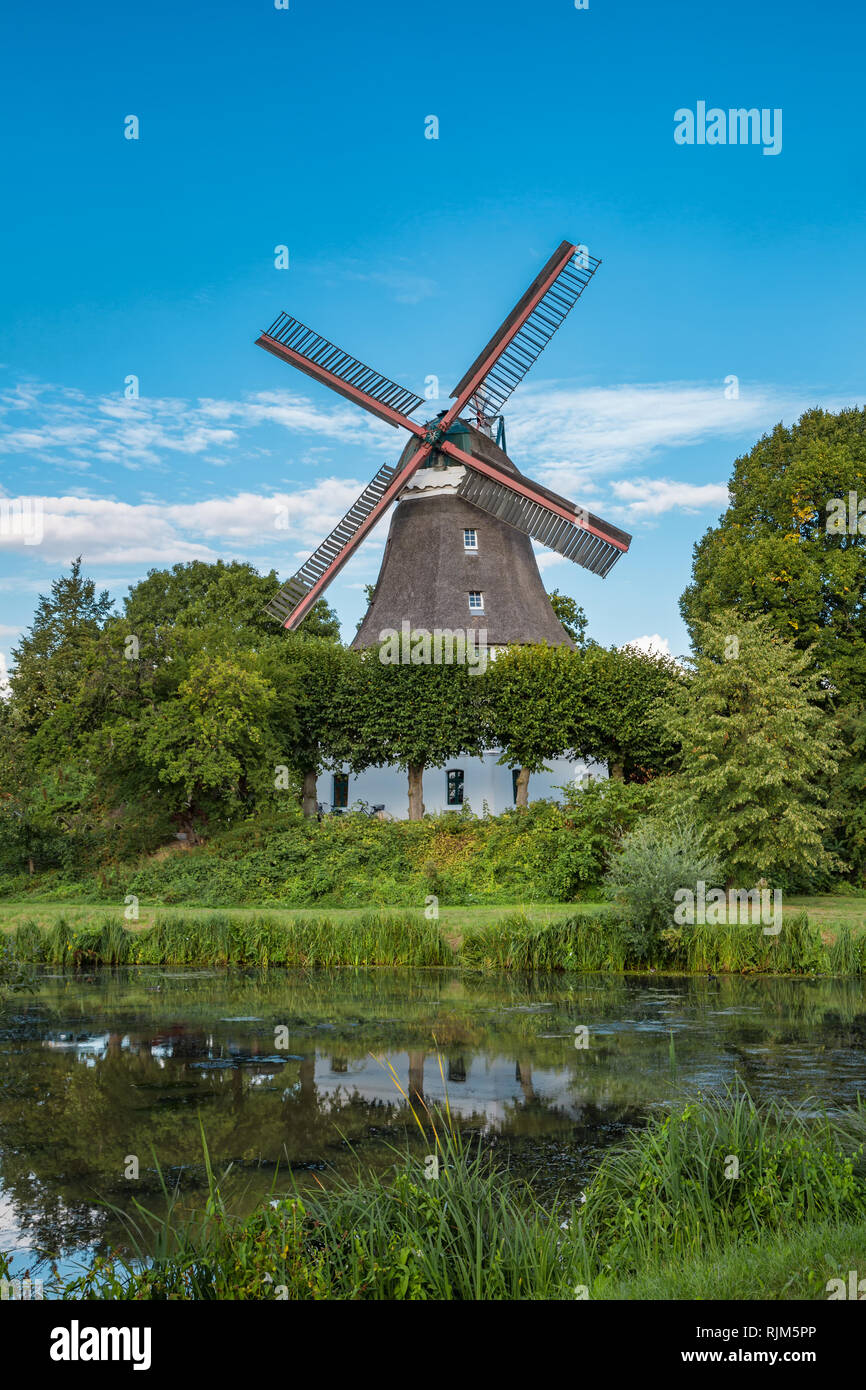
453 919
777 1267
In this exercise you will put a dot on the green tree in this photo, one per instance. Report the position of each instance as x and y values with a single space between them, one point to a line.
536 701
47 659
210 746
571 615
758 751
316 734
623 690
202 593
773 554
414 715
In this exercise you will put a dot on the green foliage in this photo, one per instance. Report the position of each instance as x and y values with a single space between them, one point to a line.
798 949
411 715
662 1212
588 943
547 702
772 554
585 943
465 1236
198 593
847 804
374 939
624 690
670 1192
45 674
655 859
571 615
212 739
536 698
758 751
549 853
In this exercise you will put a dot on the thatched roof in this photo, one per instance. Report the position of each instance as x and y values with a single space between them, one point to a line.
427 575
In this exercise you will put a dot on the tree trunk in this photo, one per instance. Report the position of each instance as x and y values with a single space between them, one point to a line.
615 771
30 867
522 791
416 1079
416 791
308 795
523 1074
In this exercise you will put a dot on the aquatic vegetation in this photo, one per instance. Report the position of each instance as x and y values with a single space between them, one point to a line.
28 941
212 939
664 1210
585 942
721 1170
590 943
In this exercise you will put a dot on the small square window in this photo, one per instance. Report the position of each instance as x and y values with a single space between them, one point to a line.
340 792
455 787
470 538
476 601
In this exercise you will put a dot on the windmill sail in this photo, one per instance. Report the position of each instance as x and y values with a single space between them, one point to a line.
587 540
321 359
289 596
524 335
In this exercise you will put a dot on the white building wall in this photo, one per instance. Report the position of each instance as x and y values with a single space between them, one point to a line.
484 784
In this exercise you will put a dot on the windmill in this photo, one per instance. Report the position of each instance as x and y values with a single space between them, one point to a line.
481 476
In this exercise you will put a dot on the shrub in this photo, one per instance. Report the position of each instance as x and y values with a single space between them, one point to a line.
654 861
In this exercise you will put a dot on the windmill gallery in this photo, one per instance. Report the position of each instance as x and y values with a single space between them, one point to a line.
462 503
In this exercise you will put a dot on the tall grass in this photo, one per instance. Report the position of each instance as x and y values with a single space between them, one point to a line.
664 1213
720 1171
461 1235
589 943
798 949
374 939
584 942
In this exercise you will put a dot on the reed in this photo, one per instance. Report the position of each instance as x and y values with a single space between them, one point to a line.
663 1214
582 943
720 1171
29 942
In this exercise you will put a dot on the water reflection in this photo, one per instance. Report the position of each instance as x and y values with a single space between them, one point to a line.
285 1070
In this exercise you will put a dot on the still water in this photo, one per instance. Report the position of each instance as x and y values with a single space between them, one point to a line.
285 1071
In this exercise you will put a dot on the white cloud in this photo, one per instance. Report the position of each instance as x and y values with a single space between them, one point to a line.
653 496
76 431
653 646
569 434
109 531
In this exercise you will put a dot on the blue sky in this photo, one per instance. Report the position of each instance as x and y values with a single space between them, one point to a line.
305 127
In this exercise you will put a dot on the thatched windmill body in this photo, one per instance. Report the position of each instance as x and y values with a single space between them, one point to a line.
459 550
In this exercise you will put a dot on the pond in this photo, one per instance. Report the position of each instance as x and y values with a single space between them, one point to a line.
286 1073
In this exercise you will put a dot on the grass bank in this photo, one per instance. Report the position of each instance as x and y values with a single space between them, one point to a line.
586 941
546 853
665 1216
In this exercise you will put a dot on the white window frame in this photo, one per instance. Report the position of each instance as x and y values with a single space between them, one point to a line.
479 606
471 533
